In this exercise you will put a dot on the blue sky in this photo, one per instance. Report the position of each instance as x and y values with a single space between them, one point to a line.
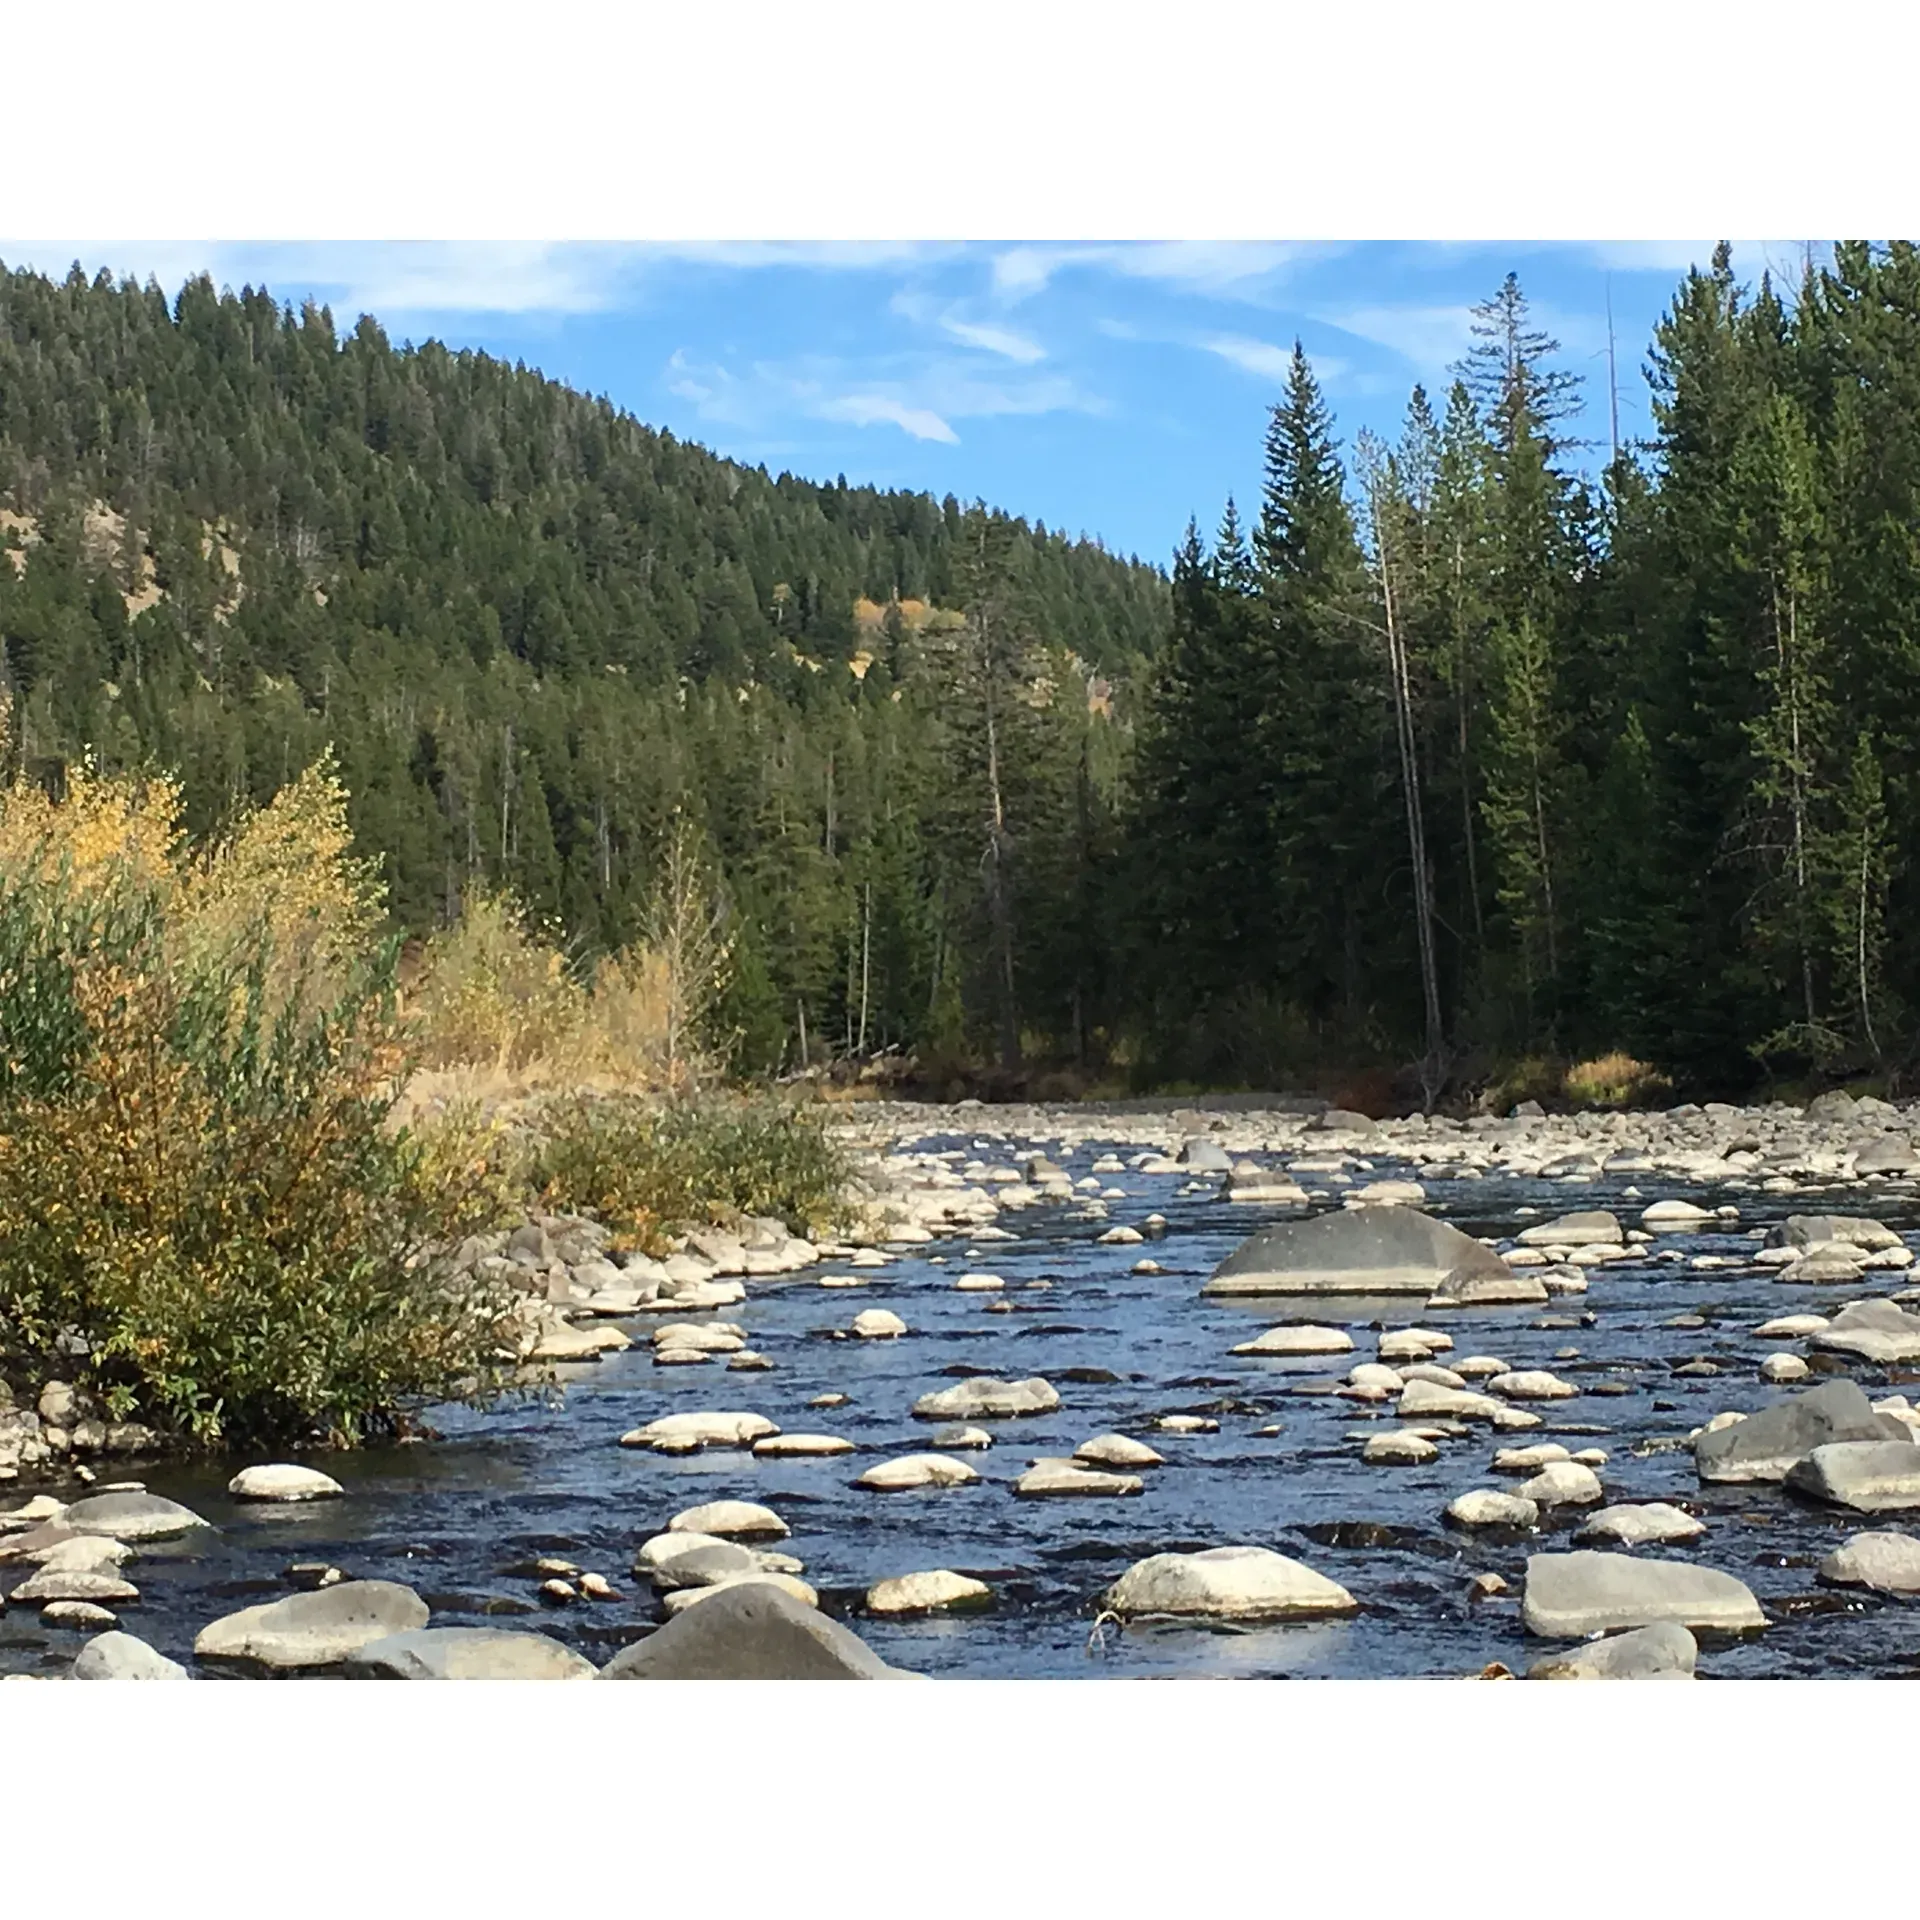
1108 388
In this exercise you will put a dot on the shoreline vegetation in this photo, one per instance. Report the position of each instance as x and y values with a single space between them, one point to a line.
229 1214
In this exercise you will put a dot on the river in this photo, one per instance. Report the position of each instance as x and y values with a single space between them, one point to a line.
463 1518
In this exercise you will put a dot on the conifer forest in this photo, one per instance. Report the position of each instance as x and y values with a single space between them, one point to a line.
1437 755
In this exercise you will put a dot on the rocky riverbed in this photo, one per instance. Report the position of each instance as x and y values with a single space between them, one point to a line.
1008 1430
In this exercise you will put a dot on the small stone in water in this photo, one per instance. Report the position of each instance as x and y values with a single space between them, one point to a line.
314 1574
828 1400
558 1590
596 1587
1187 1423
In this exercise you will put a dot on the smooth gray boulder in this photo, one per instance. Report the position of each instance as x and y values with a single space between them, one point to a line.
1509 1287
1574 1230
1836 1105
1488 1507
1362 1250
1226 1583
752 1631
986 1399
1068 1479
1341 1120
1867 1476
1876 1330
284 1482
122 1656
54 1583
1657 1524
1204 1156
706 1566
1886 1562
1296 1341
1849 1230
319 1629
1663 1651
467 1653
1570 1595
1765 1445
1888 1154
130 1516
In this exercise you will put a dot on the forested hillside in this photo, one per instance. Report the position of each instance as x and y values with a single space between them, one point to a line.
531 629
1443 755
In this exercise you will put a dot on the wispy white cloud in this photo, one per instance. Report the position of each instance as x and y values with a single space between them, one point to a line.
869 409
1199 266
1251 356
1001 340
1431 337
843 255
951 318
920 394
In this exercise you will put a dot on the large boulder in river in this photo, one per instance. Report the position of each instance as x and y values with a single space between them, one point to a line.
121 1656
1570 1595
1226 1583
130 1516
1362 1250
1663 1651
1767 1444
750 1631
1868 1476
319 1629
467 1653
986 1399
1811 1229
1875 1330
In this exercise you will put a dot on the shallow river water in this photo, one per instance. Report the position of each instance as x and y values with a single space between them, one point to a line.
463 1519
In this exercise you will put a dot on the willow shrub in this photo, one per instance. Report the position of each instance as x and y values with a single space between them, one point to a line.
204 1214
645 1166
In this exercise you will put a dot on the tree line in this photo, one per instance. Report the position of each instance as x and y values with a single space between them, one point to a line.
1443 755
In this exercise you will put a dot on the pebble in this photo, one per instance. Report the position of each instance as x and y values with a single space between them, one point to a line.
1187 1423
877 1323
1399 1449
